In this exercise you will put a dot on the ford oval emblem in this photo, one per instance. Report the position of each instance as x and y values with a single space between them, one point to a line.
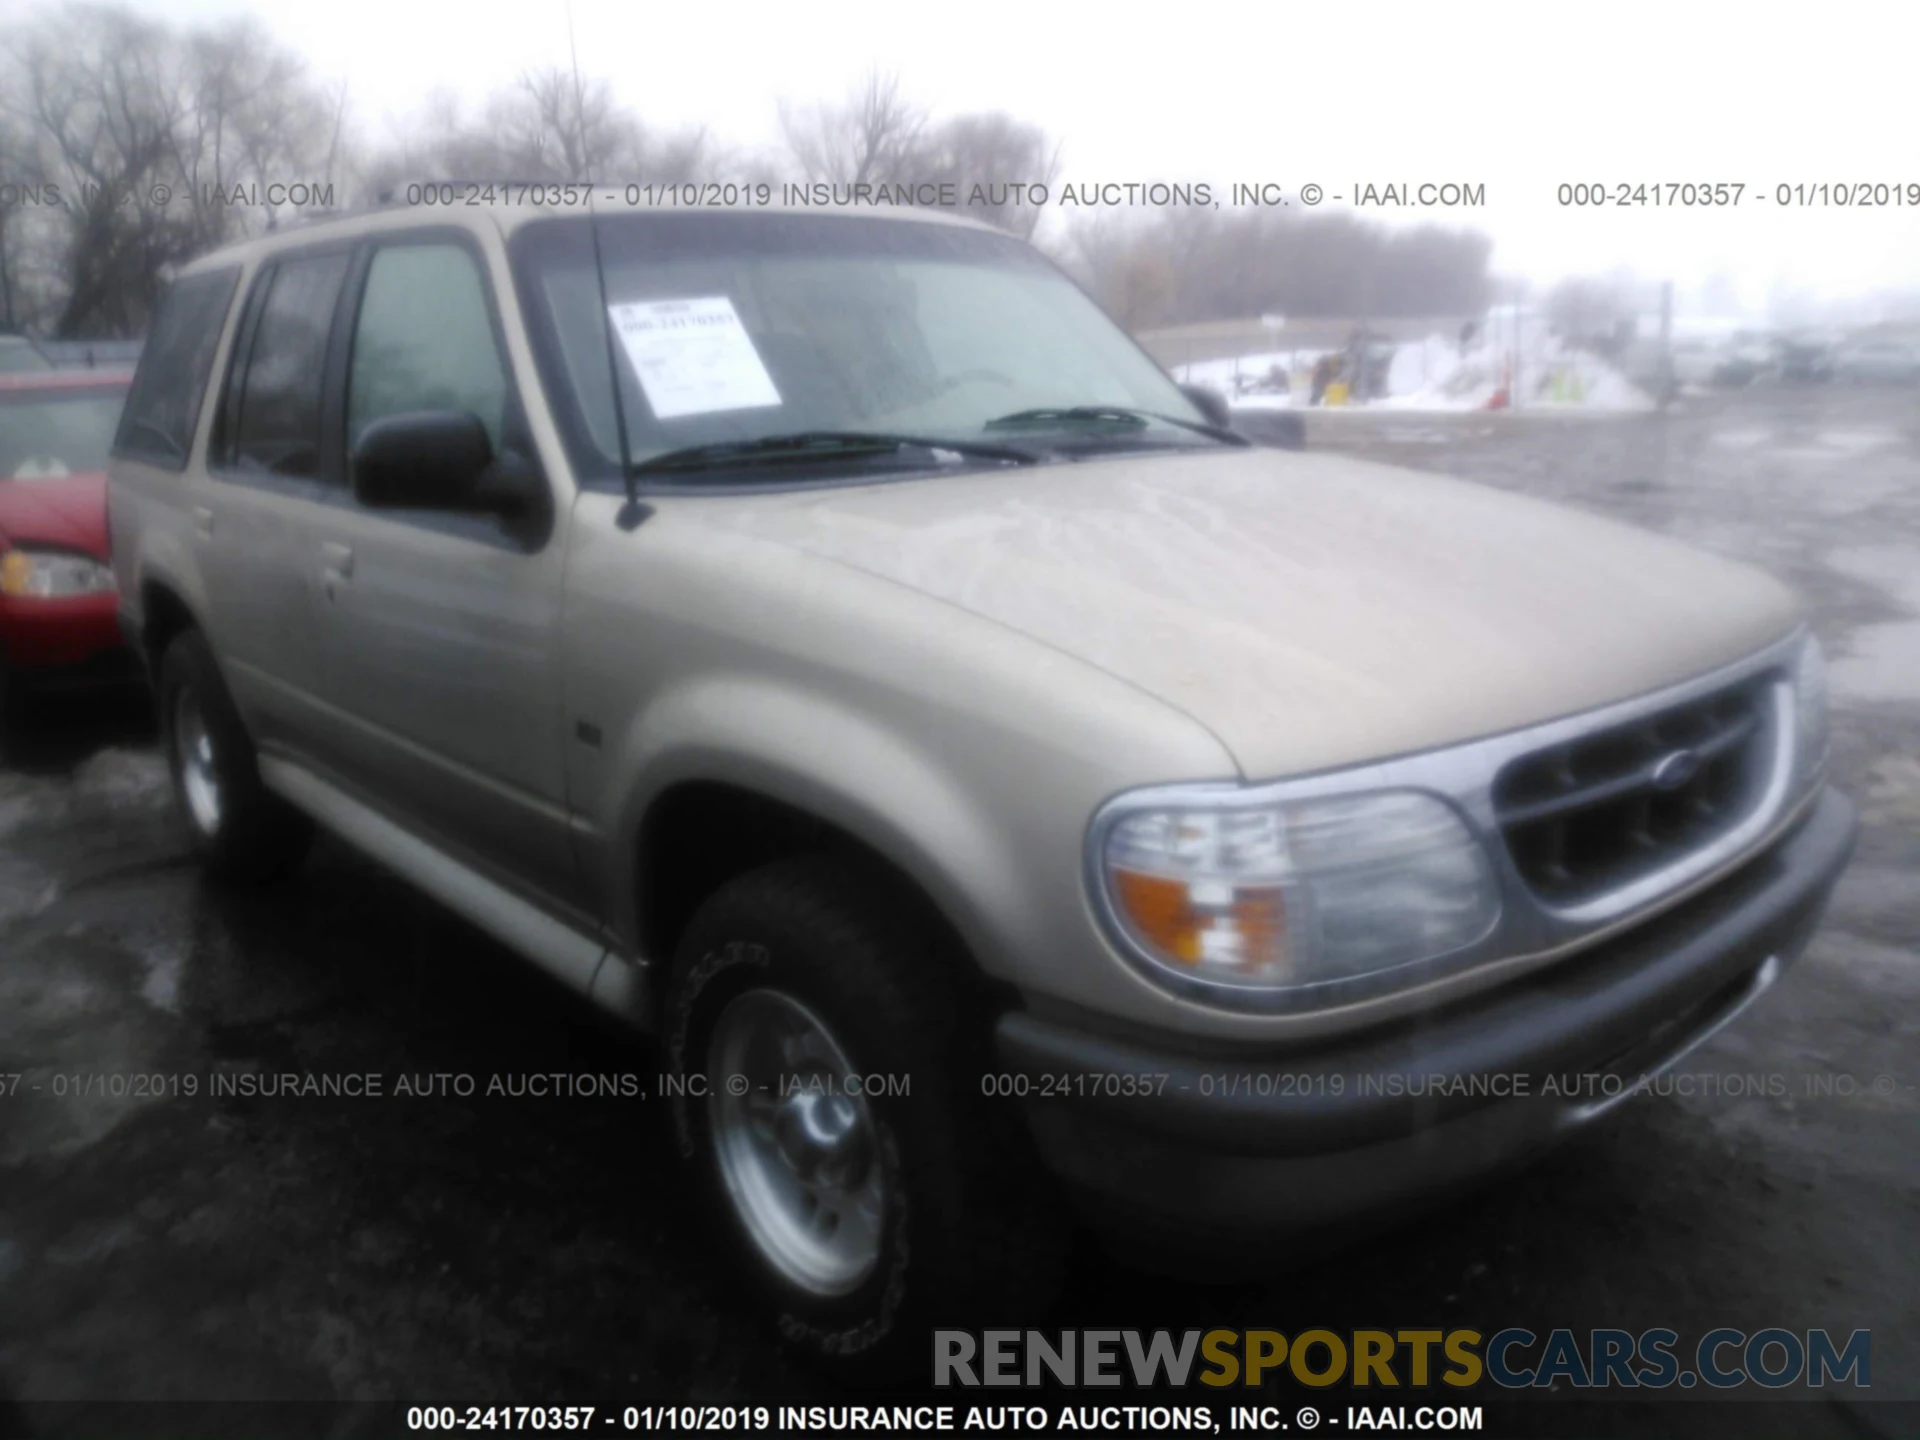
1676 769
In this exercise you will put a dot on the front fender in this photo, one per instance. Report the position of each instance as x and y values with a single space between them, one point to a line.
822 757
149 546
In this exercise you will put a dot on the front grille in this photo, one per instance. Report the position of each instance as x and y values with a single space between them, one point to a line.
1599 811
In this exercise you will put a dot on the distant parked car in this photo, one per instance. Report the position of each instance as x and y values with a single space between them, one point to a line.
1698 363
1644 363
1748 355
1805 356
1878 362
57 600
1738 359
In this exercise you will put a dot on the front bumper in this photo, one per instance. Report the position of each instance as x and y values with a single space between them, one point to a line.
65 639
1237 1147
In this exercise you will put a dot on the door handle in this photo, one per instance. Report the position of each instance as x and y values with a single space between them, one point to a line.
336 564
203 520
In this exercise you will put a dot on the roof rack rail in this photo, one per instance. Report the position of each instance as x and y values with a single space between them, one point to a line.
316 215
389 197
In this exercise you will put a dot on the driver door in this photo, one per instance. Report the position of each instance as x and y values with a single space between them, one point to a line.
440 633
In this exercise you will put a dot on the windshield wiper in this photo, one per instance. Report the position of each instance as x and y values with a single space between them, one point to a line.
1118 415
816 445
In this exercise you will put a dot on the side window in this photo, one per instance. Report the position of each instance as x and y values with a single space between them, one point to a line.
163 405
425 340
276 418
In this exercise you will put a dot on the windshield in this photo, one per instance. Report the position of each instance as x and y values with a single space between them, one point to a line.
733 328
47 434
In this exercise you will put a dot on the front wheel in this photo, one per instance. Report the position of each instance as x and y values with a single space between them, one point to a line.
828 1107
240 830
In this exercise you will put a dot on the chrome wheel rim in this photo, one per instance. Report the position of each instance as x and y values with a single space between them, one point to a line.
796 1143
193 757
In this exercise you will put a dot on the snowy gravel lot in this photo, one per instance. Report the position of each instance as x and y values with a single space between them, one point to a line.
430 1247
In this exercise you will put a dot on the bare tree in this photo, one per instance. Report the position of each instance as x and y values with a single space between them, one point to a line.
249 118
875 137
1128 265
158 142
1200 264
542 129
994 162
556 130
997 168
102 101
23 196
161 143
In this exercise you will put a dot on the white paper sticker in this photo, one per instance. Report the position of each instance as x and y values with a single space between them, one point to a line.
693 356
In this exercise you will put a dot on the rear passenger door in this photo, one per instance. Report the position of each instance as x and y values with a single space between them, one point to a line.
270 471
441 631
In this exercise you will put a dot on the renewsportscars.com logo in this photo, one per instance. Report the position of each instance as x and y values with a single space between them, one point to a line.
1513 1358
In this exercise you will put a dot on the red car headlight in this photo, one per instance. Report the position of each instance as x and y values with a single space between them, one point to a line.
52 574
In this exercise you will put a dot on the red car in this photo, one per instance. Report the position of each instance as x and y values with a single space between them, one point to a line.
58 625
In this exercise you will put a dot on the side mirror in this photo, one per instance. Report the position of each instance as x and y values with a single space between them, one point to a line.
1210 403
424 460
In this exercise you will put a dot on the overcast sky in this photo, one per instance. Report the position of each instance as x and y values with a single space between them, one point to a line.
1518 96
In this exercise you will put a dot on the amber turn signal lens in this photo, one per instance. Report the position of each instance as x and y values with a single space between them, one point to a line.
16 573
1162 912
1240 928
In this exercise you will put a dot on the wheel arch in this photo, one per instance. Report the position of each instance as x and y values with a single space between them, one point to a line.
164 614
699 833
719 777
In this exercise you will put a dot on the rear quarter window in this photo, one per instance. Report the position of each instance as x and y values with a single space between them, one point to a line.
163 407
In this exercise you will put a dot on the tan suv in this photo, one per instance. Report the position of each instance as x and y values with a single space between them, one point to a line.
825 641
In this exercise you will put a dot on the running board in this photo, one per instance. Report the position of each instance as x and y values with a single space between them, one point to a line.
583 964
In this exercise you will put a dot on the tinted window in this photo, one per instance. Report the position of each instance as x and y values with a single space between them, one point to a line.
276 424
425 340
164 405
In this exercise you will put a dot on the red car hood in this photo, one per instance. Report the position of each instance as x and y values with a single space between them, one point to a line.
69 513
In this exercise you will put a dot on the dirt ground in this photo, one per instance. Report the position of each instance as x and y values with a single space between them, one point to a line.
471 1250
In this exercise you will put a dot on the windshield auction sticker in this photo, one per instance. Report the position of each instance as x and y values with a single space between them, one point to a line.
693 356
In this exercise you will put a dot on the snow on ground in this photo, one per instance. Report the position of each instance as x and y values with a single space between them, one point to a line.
1437 374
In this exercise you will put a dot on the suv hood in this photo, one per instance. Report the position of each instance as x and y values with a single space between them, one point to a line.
1310 610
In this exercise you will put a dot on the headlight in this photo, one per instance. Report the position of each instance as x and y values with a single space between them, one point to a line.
47 574
1810 705
1294 893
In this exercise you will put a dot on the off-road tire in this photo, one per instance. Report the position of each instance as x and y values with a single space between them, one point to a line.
971 1232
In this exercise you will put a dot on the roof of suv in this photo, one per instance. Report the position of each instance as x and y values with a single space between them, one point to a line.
379 219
